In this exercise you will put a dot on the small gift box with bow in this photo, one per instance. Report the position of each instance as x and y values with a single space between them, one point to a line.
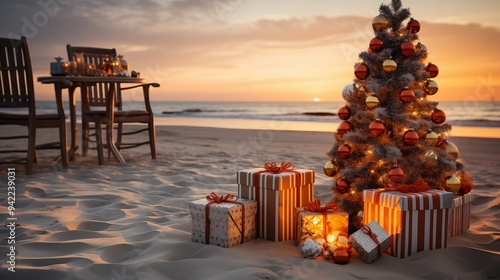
222 220
278 190
416 221
370 241
329 221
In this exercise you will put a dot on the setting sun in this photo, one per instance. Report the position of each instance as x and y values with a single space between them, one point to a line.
316 99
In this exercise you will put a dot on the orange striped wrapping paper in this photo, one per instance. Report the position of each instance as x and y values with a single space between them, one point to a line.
415 221
460 214
277 196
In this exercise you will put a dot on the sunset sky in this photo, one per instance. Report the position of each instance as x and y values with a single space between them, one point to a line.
258 50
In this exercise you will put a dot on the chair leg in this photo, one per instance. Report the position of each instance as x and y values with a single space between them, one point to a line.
119 135
64 144
35 156
152 139
99 141
85 138
31 150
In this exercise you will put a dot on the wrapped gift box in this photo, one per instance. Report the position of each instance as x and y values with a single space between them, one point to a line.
460 214
277 196
330 224
225 220
415 221
363 240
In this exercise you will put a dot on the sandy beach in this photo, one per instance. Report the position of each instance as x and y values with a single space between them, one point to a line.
132 221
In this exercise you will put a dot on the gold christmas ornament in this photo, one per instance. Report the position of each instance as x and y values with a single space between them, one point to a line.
330 168
372 102
421 47
452 184
389 65
380 23
431 87
452 149
431 138
431 155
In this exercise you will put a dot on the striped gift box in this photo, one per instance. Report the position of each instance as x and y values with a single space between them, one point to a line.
415 221
277 196
460 214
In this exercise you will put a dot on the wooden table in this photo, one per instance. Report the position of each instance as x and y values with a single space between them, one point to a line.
83 82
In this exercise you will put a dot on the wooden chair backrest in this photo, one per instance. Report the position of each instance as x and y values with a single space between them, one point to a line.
96 95
16 76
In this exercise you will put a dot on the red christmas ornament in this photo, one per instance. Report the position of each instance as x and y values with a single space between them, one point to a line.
410 137
441 141
396 174
438 116
361 71
344 113
432 69
407 48
376 128
407 95
465 182
413 26
342 186
376 44
344 127
344 151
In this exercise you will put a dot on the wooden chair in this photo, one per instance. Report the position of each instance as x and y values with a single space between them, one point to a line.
17 91
94 103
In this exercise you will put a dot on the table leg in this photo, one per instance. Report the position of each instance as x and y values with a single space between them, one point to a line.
110 119
73 151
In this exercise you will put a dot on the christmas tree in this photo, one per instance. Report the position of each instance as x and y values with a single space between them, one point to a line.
392 136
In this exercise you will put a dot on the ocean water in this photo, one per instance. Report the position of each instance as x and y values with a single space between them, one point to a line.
310 115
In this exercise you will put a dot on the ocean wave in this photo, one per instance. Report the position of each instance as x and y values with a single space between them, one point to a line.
197 110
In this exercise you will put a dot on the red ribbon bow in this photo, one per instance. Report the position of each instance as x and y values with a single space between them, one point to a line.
368 231
218 199
419 186
273 168
315 206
